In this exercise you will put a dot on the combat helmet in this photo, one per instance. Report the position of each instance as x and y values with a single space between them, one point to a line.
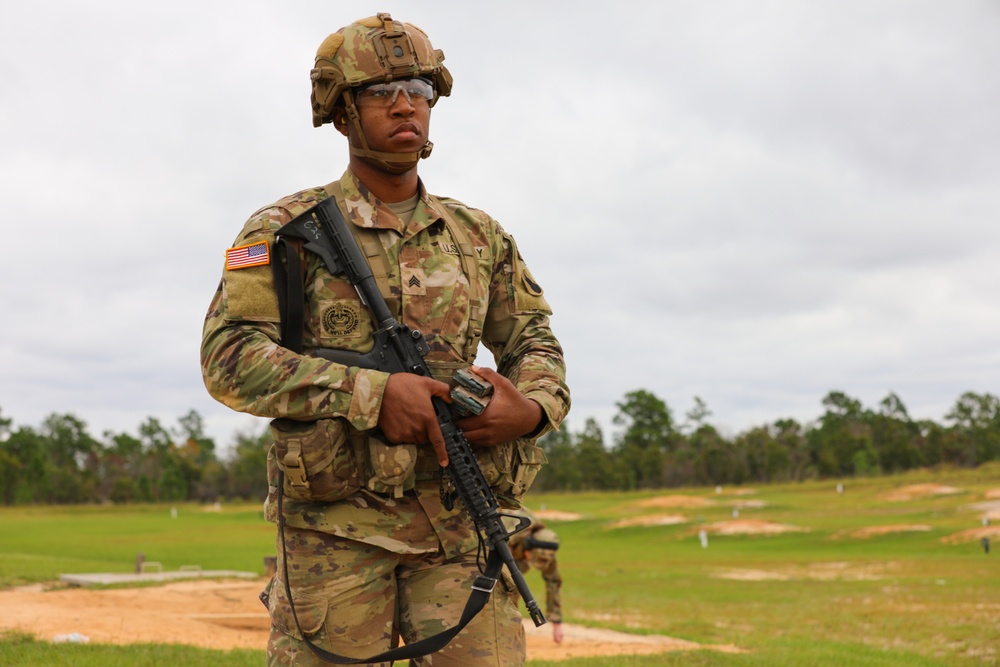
543 544
374 50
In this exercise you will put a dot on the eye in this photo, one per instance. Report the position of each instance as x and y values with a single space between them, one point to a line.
419 89
373 92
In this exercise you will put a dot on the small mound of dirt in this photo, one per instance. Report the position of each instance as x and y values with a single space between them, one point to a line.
556 515
992 494
972 535
655 520
834 571
735 492
751 575
915 491
581 642
663 502
750 527
871 531
750 504
990 508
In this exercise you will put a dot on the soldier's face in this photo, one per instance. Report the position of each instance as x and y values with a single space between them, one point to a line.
399 127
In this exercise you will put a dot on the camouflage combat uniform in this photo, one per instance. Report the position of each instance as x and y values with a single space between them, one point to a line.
388 559
543 560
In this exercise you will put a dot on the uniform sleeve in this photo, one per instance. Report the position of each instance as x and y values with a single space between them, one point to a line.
244 365
553 592
518 332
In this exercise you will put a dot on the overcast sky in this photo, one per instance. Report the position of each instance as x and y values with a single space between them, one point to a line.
751 202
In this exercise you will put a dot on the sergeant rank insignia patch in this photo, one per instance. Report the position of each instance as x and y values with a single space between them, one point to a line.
245 256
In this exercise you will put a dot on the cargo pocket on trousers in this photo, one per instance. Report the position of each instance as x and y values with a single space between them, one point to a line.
317 459
311 611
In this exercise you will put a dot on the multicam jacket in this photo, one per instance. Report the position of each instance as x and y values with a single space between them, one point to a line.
246 368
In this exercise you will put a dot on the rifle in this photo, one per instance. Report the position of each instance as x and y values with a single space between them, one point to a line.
399 349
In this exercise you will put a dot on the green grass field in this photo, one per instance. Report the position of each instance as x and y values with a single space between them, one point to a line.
814 597
40 543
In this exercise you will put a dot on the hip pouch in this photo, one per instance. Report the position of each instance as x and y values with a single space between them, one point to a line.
510 469
391 468
318 459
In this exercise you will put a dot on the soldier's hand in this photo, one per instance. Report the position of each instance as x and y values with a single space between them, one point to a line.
407 414
508 416
557 633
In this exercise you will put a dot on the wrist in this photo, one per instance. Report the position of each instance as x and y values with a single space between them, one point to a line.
540 421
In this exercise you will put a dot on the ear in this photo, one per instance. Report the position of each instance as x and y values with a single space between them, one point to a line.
340 120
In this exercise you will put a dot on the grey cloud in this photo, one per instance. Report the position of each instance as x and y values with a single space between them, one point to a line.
754 203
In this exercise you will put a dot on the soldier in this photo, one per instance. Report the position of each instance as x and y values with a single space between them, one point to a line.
535 547
368 550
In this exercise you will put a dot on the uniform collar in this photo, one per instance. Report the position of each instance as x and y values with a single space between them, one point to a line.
366 210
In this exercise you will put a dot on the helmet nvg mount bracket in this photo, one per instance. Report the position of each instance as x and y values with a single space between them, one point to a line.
374 50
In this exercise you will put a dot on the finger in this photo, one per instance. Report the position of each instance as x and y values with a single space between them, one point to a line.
500 382
437 440
487 373
472 436
472 427
441 390
472 422
482 437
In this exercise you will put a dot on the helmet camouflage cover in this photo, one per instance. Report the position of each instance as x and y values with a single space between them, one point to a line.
372 50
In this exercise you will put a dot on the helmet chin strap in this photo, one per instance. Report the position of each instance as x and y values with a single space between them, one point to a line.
394 163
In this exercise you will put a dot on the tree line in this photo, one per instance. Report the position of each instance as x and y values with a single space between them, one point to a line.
59 461
652 450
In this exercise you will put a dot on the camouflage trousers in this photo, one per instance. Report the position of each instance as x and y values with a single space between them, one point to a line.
357 600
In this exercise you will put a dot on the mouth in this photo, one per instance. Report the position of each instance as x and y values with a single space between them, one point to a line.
406 131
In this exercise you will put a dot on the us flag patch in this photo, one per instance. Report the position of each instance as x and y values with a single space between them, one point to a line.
245 256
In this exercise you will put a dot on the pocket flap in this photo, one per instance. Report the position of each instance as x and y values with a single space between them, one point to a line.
311 611
531 454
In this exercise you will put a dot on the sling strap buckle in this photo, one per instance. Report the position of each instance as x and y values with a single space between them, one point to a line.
484 583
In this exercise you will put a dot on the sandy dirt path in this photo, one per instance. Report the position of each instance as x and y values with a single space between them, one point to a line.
226 614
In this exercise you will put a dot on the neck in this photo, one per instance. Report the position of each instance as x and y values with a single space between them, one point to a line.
388 187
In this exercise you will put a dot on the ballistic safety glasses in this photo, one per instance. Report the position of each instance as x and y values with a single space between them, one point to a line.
385 94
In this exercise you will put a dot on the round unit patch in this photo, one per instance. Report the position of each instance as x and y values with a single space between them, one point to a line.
341 319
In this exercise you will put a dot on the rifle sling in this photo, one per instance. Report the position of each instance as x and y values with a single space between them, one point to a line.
290 288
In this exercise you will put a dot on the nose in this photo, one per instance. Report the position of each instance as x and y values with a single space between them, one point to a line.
401 104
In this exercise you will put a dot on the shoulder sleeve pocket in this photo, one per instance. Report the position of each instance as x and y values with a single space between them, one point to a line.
248 279
528 294
250 295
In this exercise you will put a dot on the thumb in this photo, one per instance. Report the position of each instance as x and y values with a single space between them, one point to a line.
487 373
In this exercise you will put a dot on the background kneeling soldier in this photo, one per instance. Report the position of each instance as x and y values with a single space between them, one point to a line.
536 548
